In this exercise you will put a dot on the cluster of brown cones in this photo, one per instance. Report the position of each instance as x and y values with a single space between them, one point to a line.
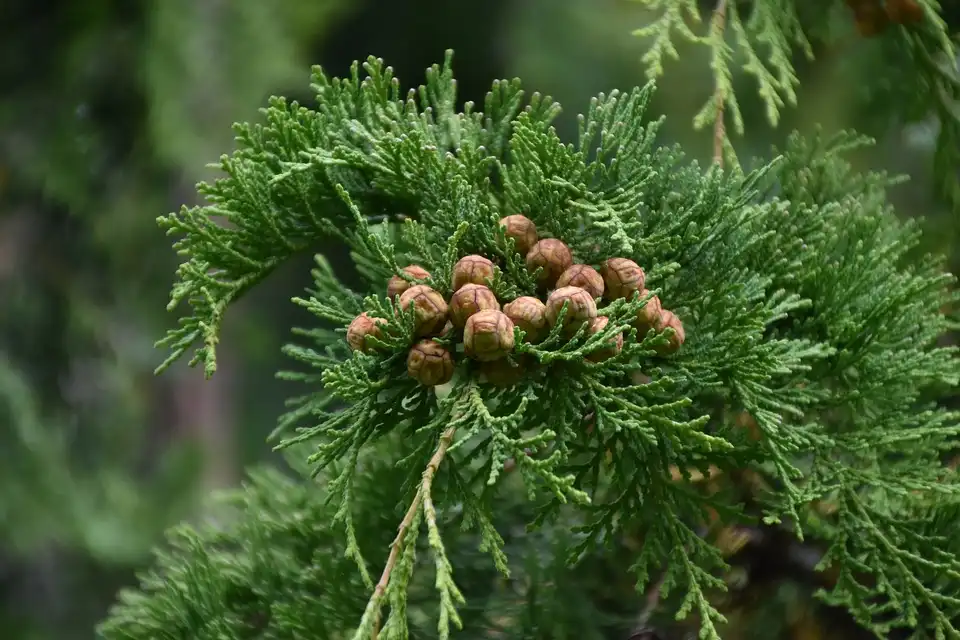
873 16
487 328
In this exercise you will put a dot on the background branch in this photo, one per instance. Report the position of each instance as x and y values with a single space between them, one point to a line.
719 128
397 545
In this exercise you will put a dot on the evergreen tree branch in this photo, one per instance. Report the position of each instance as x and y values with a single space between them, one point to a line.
422 500
918 60
719 127
766 41
798 298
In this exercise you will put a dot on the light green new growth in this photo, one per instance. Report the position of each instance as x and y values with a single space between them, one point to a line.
799 305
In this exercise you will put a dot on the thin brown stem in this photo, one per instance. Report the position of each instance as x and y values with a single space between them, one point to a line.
719 127
398 543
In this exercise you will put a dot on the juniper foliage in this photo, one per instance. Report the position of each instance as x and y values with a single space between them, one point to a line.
917 62
802 307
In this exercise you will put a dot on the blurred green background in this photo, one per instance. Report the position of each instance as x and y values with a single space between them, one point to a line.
110 111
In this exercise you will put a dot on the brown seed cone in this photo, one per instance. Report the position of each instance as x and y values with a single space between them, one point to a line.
614 346
648 317
583 276
581 308
669 320
488 336
553 256
470 299
502 372
522 230
622 278
361 327
870 19
471 269
529 314
429 306
904 11
398 285
429 363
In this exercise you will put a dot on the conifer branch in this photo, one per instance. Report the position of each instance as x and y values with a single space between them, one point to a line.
719 127
919 58
421 498
794 283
